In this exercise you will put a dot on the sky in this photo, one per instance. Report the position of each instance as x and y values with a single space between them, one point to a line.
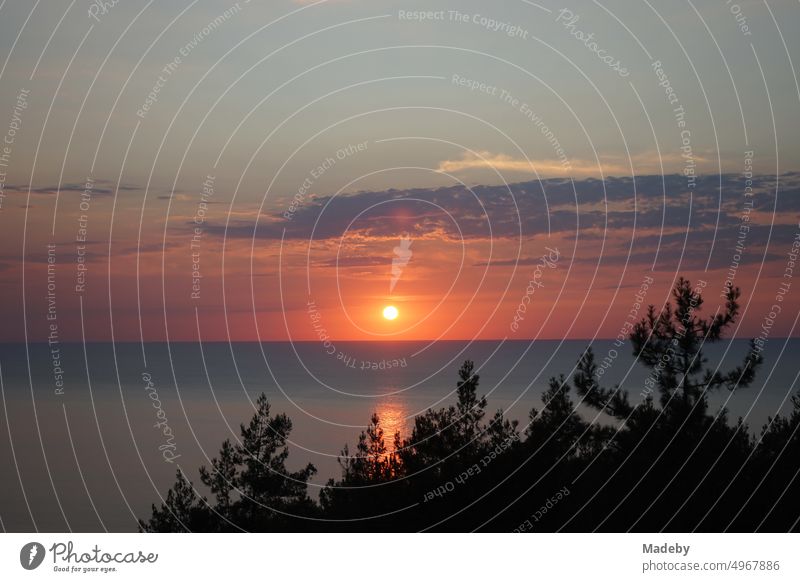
247 171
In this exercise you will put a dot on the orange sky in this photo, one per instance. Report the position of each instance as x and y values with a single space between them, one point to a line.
463 279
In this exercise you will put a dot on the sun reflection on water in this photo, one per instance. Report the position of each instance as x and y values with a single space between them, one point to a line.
393 413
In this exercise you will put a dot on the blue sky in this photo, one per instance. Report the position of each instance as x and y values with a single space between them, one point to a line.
594 113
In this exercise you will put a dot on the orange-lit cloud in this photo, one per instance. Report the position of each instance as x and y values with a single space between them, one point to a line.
645 163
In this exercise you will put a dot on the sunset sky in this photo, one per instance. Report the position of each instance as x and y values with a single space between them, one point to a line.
246 170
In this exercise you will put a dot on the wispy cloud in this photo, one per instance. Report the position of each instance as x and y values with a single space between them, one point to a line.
99 188
644 163
503 162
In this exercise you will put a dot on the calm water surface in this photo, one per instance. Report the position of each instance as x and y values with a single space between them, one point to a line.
96 456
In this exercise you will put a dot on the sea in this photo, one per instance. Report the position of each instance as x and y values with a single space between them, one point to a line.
92 434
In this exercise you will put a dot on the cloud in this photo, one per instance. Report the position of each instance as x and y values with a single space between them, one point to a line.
660 213
353 261
100 188
503 162
645 163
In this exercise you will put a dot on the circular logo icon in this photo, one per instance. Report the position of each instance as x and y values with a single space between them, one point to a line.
31 555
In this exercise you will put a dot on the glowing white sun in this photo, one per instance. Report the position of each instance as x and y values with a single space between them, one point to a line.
390 312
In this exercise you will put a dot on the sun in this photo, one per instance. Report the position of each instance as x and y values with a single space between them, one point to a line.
390 312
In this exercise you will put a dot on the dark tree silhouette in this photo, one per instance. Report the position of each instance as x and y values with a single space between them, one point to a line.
667 462
356 494
182 511
251 485
671 343
676 442
454 436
